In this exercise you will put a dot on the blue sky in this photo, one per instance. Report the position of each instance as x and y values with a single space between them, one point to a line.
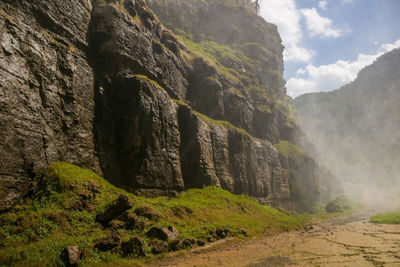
328 41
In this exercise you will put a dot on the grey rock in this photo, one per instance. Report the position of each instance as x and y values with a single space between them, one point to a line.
116 208
71 256
162 233
134 246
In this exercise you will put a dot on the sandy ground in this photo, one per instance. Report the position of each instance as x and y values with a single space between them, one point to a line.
343 241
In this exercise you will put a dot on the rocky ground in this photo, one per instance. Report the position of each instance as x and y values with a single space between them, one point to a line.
344 241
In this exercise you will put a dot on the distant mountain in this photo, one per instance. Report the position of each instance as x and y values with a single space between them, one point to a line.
356 129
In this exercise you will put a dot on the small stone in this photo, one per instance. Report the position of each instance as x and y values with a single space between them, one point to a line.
134 246
159 246
162 234
71 256
107 243
222 232
117 207
174 231
242 231
201 243
333 206
131 220
188 243
117 224
148 212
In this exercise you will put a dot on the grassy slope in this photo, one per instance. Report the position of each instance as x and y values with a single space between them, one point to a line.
36 231
389 218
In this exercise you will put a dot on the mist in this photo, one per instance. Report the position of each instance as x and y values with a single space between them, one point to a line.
354 132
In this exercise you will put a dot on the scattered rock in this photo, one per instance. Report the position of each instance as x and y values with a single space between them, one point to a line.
148 212
108 243
201 243
130 219
183 244
162 233
242 231
308 227
222 232
117 224
116 208
188 243
333 207
211 239
71 256
159 246
174 231
134 246
141 225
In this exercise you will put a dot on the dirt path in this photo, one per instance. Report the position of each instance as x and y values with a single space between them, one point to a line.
343 241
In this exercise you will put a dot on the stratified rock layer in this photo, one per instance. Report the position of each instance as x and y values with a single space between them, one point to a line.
106 86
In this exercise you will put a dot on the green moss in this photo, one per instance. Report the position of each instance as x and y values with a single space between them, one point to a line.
226 124
140 76
180 102
387 218
35 232
289 149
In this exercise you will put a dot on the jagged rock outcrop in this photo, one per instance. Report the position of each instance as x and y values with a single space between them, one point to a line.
46 91
106 86
362 119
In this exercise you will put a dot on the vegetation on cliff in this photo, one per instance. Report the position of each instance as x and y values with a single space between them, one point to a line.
64 211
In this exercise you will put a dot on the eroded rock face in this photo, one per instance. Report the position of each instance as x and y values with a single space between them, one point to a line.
46 89
104 86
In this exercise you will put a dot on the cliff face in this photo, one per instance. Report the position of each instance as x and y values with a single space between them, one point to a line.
362 119
106 86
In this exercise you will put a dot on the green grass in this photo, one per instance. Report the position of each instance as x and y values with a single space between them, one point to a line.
35 232
287 148
140 76
387 218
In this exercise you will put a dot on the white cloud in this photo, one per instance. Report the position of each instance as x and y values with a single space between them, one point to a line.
318 25
347 1
287 17
322 4
332 76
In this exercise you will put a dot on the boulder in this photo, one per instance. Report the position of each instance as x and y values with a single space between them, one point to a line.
159 246
222 232
116 208
117 224
186 243
134 246
148 212
71 256
242 231
163 233
108 243
130 219
333 206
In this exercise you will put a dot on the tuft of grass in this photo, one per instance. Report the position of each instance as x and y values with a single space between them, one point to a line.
140 76
72 48
35 232
287 148
387 218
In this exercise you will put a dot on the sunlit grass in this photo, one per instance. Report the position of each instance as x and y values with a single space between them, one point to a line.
388 218
35 232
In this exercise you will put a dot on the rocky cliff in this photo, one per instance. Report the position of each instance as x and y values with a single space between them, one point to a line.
104 85
355 127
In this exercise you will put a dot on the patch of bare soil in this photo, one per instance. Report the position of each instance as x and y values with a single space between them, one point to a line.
344 241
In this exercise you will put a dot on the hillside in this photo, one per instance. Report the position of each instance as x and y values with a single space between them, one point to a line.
104 85
355 128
